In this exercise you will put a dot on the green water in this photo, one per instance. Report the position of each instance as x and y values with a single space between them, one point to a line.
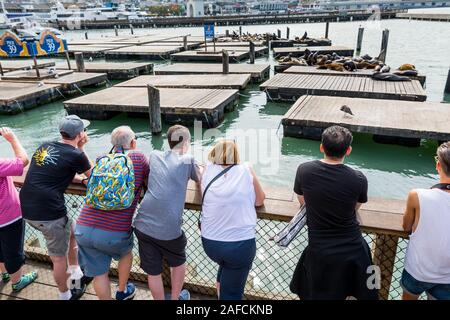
391 170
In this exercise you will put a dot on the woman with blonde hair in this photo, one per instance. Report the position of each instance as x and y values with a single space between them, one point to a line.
231 191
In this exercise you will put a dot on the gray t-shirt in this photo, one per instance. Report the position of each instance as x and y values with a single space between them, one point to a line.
161 211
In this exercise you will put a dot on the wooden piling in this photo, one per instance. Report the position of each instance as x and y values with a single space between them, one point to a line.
252 52
116 31
240 31
227 33
225 62
359 40
67 60
79 60
1 69
384 45
38 74
327 28
288 31
447 84
86 35
279 33
154 104
185 43
131 29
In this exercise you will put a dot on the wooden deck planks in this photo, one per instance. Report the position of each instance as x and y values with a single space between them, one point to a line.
419 120
142 52
229 81
285 87
258 72
76 80
11 65
234 56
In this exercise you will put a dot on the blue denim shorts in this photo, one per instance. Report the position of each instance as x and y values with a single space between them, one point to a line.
97 248
434 291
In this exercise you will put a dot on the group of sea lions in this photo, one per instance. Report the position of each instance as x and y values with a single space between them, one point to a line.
333 61
312 41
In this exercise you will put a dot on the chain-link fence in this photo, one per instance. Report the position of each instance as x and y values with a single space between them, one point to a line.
272 268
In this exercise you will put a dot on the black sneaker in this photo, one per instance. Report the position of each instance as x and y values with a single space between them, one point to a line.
77 293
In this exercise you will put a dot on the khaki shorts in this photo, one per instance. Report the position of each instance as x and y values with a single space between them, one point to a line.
56 234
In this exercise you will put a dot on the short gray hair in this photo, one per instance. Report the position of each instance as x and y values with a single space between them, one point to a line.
122 137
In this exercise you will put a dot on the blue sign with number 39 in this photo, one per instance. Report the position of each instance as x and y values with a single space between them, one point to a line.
209 30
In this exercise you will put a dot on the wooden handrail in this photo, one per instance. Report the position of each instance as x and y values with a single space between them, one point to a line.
380 216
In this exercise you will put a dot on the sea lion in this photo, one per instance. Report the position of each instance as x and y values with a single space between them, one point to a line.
408 73
389 77
407 66
346 109
385 69
350 65
335 67
305 35
366 57
357 59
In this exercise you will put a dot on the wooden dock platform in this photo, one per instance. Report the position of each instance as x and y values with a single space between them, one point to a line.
114 70
258 72
443 17
18 96
234 56
94 51
289 87
142 52
31 75
357 73
402 122
11 65
259 51
76 80
177 105
193 81
299 51
234 44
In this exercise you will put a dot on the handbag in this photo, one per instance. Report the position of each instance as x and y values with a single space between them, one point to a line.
285 236
221 173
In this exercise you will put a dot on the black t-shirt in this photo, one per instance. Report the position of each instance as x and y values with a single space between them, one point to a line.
331 193
52 169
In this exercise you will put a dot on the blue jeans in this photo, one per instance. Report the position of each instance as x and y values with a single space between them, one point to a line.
435 291
235 260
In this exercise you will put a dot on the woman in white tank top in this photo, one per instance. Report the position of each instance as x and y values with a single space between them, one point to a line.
229 217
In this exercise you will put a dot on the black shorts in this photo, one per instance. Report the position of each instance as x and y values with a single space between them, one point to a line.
152 251
11 246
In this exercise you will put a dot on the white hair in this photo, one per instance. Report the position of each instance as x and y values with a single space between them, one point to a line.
122 137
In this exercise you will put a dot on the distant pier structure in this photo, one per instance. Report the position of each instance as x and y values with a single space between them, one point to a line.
195 8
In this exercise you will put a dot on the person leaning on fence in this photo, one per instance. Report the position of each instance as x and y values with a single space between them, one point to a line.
53 167
104 233
12 226
231 190
159 219
427 218
334 264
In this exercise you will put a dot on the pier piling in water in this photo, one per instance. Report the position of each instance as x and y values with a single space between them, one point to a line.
447 84
116 31
279 33
227 33
185 43
252 52
288 31
225 62
359 40
131 29
86 35
240 31
327 28
384 44
67 60
79 60
154 105
1 69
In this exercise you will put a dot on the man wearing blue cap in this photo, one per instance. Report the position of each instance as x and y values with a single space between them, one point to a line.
53 167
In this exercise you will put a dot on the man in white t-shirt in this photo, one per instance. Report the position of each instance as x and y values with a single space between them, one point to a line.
427 217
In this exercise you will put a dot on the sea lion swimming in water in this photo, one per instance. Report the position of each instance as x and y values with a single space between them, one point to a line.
407 66
389 77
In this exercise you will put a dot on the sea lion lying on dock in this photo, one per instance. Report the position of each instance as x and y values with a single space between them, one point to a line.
332 66
389 77
406 66
407 73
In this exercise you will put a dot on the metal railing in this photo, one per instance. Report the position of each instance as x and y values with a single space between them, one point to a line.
272 268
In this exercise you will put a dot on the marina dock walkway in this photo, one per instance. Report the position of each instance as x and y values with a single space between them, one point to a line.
310 115
289 87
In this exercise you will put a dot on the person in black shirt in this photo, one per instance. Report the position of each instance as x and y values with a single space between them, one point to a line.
53 167
335 263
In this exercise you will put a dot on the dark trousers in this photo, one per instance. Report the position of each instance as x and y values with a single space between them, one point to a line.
235 260
11 246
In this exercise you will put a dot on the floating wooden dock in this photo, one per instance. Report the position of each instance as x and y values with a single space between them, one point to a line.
114 70
357 73
258 72
443 17
402 122
234 56
11 65
31 75
234 44
142 52
259 51
76 80
177 105
193 81
94 51
299 51
18 96
289 87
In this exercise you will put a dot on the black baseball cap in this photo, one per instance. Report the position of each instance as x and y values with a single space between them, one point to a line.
72 125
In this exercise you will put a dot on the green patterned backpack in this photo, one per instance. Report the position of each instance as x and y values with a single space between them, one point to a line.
112 182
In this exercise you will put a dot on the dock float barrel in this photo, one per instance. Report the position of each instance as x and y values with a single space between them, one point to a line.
154 109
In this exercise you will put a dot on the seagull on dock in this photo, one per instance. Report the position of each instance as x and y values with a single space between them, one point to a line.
346 109
90 59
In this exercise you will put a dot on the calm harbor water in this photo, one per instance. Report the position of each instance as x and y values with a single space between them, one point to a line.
391 170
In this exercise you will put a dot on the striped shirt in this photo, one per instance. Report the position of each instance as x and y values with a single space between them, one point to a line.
118 220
